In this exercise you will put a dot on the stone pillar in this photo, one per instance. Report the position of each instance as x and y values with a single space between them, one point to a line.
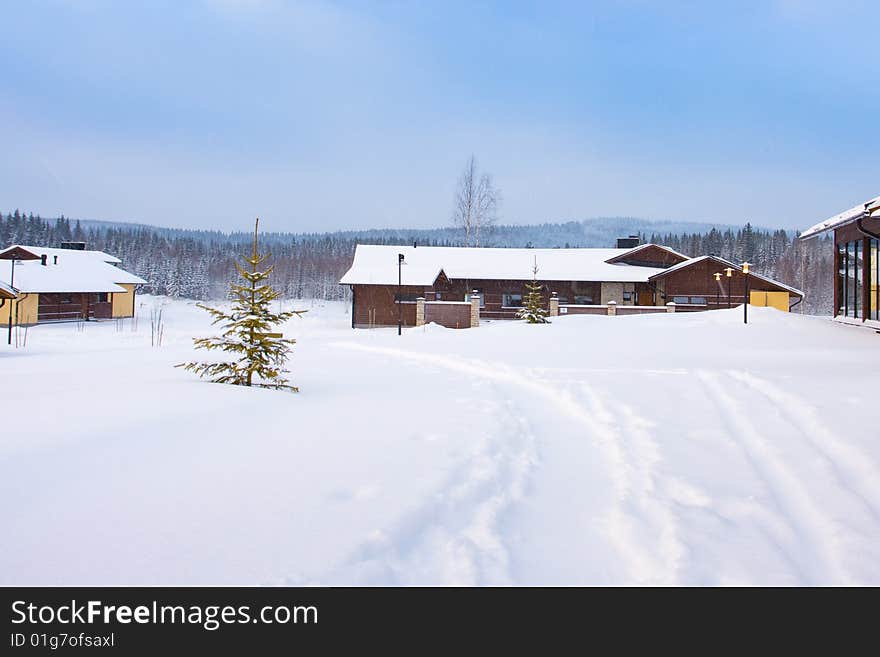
612 308
420 311
475 309
554 305
670 307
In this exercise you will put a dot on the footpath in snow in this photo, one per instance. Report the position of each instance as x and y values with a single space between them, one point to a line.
685 449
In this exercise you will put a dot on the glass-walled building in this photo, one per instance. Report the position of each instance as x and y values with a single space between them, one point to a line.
857 271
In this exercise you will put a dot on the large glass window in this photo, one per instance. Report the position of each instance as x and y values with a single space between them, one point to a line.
841 279
851 280
874 283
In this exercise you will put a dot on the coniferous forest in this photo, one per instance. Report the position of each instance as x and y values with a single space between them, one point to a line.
199 264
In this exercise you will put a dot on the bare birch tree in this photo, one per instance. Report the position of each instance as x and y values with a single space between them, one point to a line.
476 204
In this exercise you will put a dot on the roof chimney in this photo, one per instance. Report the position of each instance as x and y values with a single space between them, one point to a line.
55 261
43 259
628 242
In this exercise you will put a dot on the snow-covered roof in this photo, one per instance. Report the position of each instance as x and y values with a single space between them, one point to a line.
67 270
633 251
377 265
870 208
724 263
6 292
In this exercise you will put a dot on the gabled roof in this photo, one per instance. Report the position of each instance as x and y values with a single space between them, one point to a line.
867 209
724 264
377 265
6 292
74 271
632 255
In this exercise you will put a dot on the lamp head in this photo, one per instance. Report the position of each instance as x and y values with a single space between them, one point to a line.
729 271
718 276
746 266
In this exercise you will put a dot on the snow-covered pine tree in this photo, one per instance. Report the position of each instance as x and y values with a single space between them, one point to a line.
260 355
533 310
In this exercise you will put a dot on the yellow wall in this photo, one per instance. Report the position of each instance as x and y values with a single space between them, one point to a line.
778 300
123 302
25 306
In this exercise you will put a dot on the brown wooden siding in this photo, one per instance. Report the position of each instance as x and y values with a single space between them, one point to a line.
698 280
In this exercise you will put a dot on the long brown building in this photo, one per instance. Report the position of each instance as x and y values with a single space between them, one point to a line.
856 262
445 284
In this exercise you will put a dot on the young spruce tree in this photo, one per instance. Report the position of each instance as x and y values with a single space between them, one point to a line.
258 354
533 310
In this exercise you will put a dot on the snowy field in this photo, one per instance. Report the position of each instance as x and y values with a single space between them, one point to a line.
656 449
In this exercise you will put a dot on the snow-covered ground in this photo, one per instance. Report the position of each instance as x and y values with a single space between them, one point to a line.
656 449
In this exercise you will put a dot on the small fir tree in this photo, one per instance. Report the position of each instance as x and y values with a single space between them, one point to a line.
259 354
533 310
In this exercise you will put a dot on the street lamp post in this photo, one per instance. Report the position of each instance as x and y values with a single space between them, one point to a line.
717 289
745 267
399 300
729 271
12 285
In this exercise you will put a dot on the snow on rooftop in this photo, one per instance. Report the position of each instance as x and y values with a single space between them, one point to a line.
377 265
845 217
75 271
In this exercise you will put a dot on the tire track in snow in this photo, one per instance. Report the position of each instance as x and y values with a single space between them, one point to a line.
844 461
817 556
650 558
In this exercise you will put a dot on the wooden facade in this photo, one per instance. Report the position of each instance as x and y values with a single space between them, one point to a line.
692 287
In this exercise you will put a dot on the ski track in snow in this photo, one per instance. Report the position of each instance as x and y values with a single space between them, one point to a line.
812 544
641 526
454 537
850 467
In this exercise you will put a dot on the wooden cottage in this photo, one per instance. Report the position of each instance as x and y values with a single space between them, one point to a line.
50 284
856 262
440 282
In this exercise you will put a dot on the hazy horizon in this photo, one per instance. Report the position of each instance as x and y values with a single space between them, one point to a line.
324 116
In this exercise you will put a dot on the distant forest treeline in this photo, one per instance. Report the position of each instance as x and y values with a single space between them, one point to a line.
199 264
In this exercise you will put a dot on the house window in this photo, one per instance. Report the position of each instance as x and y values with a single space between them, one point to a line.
874 282
403 298
583 300
691 301
101 297
467 297
511 300
627 296
850 279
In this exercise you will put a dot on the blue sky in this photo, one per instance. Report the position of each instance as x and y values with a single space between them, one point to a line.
332 115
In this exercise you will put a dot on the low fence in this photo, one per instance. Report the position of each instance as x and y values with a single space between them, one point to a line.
611 309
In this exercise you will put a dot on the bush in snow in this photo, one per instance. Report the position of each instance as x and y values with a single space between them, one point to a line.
259 354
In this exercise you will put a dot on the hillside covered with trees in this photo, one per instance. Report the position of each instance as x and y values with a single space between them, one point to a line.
198 264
